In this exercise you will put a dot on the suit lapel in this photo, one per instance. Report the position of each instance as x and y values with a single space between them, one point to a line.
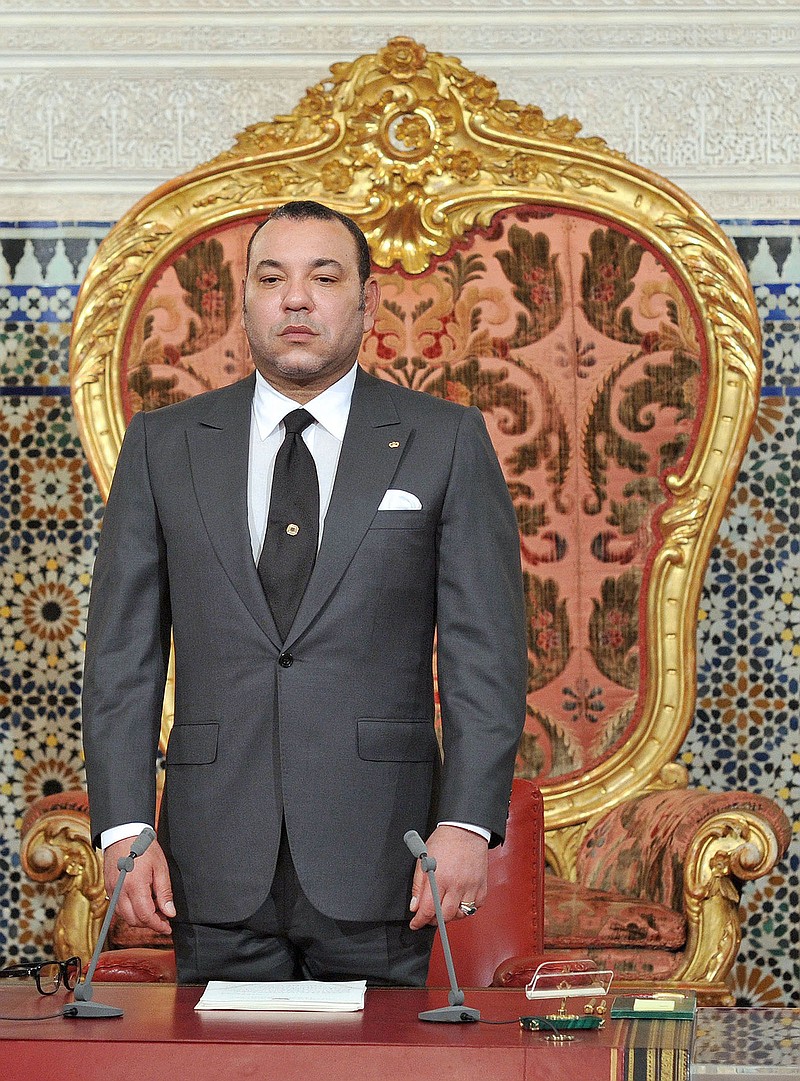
373 447
219 455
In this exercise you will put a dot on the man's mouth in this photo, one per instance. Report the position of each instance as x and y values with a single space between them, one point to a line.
297 331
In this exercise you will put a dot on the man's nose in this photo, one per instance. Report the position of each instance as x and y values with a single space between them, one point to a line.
296 295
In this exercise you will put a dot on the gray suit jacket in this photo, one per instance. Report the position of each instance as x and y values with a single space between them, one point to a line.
332 728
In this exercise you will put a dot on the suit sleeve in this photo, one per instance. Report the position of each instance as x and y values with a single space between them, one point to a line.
127 646
481 636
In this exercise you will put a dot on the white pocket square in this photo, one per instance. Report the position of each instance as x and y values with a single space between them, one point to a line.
397 499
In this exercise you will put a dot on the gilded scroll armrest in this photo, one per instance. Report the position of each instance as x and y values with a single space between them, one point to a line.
689 850
56 847
731 847
642 847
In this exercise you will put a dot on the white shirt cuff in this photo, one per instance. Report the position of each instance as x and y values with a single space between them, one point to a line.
119 833
472 829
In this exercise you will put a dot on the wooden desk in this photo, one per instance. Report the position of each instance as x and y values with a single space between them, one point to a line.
161 1037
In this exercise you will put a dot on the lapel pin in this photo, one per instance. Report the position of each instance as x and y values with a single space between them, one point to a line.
394 443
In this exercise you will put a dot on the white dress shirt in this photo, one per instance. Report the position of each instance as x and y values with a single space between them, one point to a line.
324 439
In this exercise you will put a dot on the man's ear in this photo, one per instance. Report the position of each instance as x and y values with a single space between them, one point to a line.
372 299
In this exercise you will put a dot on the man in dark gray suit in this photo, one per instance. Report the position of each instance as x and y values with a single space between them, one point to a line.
299 757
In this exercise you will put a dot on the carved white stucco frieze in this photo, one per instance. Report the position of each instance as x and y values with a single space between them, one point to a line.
100 100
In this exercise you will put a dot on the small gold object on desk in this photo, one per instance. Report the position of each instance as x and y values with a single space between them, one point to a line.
568 980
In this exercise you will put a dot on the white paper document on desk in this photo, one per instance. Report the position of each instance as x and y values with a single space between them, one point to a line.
298 995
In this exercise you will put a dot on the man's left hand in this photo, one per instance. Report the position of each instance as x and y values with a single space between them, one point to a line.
461 875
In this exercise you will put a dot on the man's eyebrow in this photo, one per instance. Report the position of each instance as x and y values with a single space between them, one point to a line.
328 262
315 264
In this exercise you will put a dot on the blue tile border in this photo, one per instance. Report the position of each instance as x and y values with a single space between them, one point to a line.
39 392
780 392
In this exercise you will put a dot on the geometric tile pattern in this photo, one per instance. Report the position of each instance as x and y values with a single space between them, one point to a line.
745 732
761 1043
50 511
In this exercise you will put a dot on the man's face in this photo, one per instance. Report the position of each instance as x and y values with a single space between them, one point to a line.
304 311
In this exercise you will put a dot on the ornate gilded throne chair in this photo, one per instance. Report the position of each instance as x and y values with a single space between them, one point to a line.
605 327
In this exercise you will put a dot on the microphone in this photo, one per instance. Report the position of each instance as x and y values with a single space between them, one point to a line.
456 1011
83 1006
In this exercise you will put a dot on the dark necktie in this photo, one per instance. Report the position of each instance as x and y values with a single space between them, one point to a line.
290 546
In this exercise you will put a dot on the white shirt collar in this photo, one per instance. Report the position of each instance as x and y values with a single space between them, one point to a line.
331 408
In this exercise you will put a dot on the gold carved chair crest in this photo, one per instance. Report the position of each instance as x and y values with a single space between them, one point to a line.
606 328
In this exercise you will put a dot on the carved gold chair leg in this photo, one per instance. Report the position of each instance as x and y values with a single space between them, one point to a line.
58 848
729 848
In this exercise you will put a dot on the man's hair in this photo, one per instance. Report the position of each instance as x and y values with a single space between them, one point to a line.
308 210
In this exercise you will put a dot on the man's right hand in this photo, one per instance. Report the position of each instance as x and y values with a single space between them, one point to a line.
146 897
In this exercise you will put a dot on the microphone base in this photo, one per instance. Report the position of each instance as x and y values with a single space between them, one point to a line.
90 1009
452 1014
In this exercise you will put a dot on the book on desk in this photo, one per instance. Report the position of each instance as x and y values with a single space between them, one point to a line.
659 1006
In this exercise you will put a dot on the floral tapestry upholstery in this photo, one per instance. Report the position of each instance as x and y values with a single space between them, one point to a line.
581 918
641 847
580 349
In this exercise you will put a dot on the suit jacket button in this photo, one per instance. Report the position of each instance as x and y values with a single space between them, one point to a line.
286 660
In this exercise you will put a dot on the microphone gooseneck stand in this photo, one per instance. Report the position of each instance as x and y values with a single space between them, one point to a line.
83 1006
456 1012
